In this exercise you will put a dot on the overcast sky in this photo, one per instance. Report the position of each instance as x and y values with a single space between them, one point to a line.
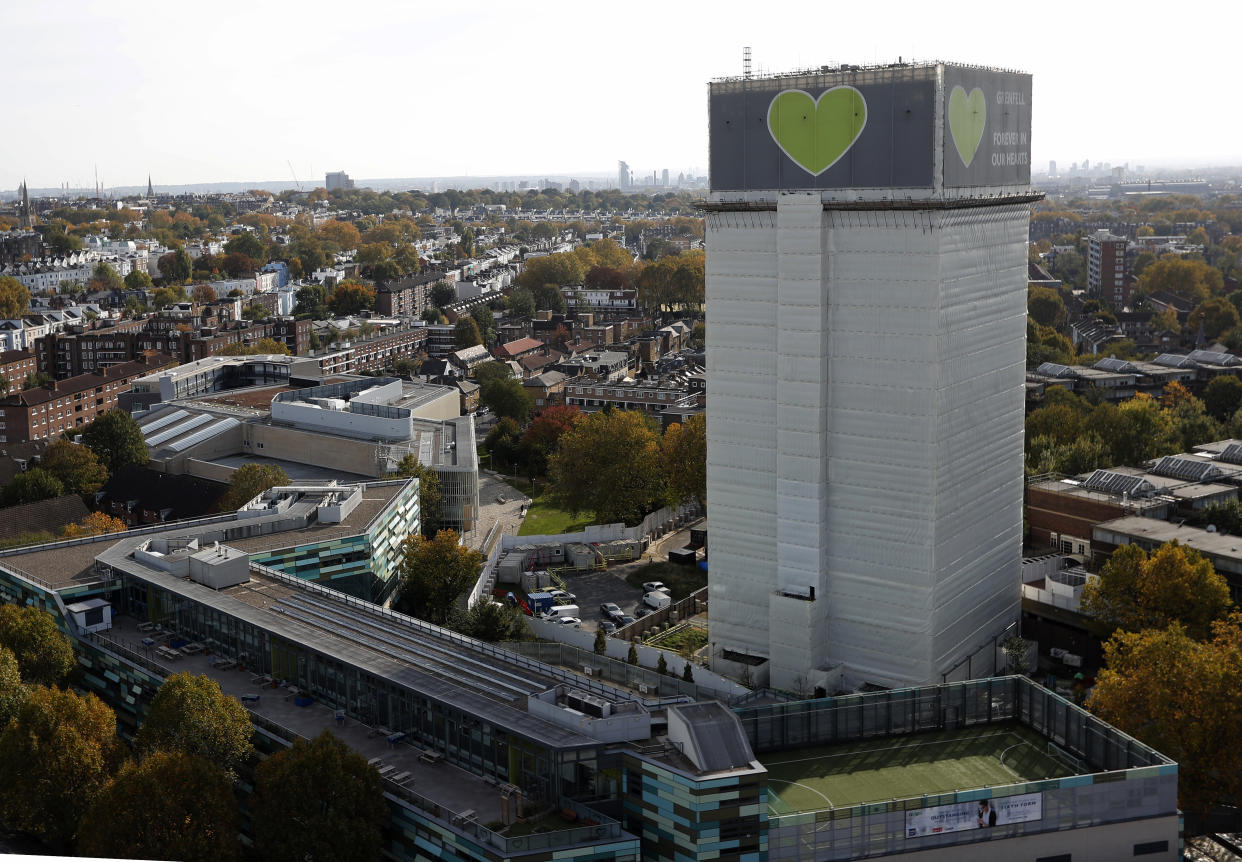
233 91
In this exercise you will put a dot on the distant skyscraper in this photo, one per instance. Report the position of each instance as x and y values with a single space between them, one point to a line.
1052 168
337 181
866 313
623 176
664 178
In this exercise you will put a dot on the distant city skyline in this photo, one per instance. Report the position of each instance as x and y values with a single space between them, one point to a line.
254 93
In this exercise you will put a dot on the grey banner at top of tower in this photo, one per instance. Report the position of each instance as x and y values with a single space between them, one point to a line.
751 149
987 128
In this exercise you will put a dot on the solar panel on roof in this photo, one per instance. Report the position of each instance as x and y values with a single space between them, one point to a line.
1232 454
1110 482
166 419
179 429
1174 360
204 434
1214 357
1052 369
1110 363
1189 469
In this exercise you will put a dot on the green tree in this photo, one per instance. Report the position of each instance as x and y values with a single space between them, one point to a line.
502 442
601 642
104 277
632 656
56 756
31 486
176 266
77 467
521 303
1136 431
507 398
190 714
44 654
561 270
13 692
170 805
687 673
1217 315
609 463
1045 305
116 439
434 573
1175 583
683 449
14 298
247 244
492 370
489 620
249 481
35 379
466 333
138 279
318 801
662 665
1223 397
430 497
442 294
1182 697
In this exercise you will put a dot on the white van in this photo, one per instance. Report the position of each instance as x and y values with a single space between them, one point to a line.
558 612
657 599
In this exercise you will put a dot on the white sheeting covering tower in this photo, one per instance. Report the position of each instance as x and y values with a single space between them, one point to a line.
865 353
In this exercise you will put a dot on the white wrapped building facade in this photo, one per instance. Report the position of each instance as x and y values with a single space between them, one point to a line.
865 366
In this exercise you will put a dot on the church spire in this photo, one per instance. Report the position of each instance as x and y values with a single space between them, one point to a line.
150 190
24 219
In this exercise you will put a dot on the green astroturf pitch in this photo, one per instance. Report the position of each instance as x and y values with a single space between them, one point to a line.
883 768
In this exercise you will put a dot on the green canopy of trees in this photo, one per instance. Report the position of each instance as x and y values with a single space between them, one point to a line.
116 439
434 573
192 715
318 800
249 481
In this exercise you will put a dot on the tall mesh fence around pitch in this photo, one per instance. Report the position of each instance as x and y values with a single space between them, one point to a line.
1125 780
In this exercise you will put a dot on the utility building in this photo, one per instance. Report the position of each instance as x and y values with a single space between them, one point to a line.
866 314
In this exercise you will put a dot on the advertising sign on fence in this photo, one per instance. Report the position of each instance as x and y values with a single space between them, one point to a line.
982 814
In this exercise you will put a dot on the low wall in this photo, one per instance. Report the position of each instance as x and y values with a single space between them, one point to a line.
208 470
695 603
709 683
657 523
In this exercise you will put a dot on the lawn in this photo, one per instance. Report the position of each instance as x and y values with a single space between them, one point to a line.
681 580
545 519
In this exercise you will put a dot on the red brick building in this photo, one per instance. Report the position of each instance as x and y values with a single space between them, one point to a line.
15 365
66 405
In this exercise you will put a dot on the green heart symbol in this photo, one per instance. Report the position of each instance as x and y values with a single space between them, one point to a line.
967 117
815 133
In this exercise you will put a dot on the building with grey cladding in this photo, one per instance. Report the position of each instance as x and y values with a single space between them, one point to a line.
620 763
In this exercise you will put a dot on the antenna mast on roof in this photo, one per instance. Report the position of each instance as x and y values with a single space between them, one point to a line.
746 62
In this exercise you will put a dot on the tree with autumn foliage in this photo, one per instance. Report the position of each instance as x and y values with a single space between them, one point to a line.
343 235
609 463
1136 590
1183 697
94 524
683 449
351 297
543 435
56 755
434 573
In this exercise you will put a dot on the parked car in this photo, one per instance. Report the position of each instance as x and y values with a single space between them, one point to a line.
562 596
570 621
610 610
641 611
624 620
608 626
656 586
